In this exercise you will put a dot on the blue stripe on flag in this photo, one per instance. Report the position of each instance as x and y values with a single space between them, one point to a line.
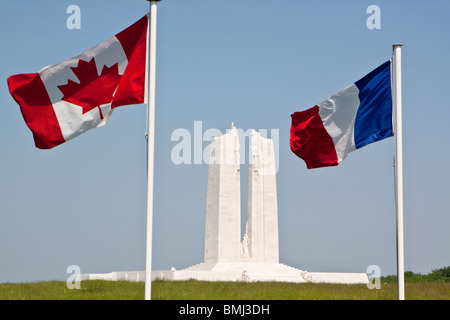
374 117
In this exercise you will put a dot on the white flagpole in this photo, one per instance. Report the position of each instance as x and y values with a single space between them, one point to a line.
398 164
150 145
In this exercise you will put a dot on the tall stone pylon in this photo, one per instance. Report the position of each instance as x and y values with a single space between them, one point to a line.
223 215
223 200
262 213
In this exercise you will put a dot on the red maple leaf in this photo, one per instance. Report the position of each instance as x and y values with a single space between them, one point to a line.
93 90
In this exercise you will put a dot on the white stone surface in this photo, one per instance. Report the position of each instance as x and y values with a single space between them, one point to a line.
223 201
233 272
262 211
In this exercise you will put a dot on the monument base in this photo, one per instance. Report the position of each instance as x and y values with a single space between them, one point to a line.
244 272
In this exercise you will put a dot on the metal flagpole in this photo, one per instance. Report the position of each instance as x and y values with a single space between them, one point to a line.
398 165
150 144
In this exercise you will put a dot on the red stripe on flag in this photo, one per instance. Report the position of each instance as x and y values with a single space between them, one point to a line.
132 85
37 110
310 141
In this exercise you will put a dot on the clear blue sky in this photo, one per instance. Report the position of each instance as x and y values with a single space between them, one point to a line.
249 62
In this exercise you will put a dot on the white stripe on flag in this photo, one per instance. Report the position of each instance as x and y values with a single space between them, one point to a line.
338 115
70 117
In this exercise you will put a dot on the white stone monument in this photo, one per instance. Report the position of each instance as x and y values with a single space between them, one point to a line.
223 200
228 257
261 238
223 205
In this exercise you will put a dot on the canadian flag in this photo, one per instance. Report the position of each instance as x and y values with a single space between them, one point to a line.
64 100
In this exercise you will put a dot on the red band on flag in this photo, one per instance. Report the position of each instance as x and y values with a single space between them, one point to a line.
134 43
310 141
29 92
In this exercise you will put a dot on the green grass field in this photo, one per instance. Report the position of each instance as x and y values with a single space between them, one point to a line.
197 290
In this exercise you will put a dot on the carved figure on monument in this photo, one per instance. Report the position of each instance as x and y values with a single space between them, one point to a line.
244 243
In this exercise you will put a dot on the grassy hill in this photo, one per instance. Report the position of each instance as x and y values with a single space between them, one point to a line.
197 290
434 286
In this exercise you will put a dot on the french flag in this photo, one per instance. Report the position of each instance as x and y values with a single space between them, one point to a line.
356 116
